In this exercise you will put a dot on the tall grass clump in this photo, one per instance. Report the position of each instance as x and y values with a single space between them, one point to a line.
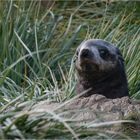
37 45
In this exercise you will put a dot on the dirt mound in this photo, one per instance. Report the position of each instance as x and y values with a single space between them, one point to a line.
114 114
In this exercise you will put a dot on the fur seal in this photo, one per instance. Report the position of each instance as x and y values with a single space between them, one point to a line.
100 68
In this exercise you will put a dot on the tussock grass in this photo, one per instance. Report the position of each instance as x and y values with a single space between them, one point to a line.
37 45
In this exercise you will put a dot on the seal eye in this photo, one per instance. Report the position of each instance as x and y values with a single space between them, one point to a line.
104 53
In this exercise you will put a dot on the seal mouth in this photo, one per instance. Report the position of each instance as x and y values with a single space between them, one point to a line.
89 65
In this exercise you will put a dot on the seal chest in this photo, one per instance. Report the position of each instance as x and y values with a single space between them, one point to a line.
100 69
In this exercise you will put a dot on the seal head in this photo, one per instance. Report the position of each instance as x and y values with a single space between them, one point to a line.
100 69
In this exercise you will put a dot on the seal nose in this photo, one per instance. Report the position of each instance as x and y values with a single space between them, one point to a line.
85 53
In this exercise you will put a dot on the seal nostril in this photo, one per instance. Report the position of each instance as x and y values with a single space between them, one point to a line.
85 53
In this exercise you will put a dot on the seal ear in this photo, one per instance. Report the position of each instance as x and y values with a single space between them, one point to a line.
120 57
